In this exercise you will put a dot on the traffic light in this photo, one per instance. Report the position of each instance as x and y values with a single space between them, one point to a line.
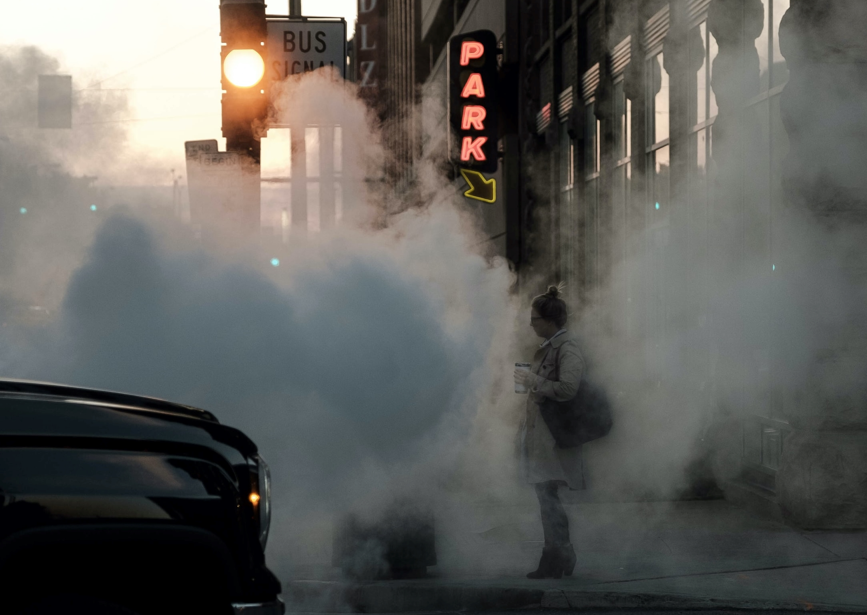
473 101
245 99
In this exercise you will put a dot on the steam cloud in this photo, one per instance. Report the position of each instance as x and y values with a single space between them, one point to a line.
357 366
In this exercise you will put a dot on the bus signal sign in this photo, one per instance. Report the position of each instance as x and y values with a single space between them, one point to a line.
473 100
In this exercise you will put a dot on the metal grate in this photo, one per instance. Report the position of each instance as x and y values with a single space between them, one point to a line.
655 30
697 11
565 103
589 82
543 119
621 55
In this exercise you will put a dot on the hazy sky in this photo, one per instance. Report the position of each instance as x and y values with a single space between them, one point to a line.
166 52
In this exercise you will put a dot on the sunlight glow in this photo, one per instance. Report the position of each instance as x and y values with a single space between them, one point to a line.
244 67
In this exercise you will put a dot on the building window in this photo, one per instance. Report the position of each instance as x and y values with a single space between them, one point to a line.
779 71
622 124
592 130
565 73
702 112
657 136
657 100
762 44
567 159
590 166
702 101
591 141
568 216
623 152
657 204
621 188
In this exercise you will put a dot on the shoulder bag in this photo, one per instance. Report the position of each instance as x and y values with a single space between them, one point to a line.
584 418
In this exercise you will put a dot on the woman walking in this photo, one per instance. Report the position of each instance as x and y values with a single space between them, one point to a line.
556 373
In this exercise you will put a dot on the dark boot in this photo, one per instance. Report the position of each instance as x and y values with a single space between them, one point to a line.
550 566
567 558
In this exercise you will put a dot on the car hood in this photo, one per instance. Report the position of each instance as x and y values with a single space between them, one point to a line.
30 419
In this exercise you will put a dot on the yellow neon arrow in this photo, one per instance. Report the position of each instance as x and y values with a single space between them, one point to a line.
481 189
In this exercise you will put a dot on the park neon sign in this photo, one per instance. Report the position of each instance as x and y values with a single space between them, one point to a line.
473 82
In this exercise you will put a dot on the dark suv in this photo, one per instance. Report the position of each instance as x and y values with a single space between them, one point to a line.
116 503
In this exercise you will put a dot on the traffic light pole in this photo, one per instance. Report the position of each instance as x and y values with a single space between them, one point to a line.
243 32
298 188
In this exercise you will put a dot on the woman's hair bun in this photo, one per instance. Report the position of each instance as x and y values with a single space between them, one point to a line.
551 305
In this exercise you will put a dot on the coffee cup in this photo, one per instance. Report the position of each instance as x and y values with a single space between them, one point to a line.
520 388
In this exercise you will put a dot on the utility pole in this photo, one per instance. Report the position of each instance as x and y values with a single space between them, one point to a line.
298 190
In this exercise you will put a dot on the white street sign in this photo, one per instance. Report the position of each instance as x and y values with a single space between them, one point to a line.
296 46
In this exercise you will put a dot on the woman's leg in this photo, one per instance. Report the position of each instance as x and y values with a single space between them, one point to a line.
553 519
555 523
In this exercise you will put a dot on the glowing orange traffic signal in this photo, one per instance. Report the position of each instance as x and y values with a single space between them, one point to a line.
244 68
243 30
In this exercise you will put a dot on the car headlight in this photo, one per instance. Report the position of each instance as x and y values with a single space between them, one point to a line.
260 496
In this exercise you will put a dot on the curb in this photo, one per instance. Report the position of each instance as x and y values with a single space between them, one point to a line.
397 597
573 600
391 597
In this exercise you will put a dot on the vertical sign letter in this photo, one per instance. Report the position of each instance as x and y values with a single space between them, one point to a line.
474 116
473 147
364 45
471 50
474 87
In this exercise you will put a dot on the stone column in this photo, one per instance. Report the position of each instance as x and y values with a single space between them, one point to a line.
822 481
735 24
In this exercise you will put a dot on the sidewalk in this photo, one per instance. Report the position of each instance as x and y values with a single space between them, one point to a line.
657 555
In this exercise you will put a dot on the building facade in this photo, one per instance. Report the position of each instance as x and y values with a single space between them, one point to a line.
387 66
644 162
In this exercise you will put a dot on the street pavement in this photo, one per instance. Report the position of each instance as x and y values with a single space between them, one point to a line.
649 555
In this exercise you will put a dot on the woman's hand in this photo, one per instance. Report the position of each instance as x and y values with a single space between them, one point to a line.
524 377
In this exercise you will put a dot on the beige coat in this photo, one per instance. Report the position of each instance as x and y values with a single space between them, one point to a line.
540 458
